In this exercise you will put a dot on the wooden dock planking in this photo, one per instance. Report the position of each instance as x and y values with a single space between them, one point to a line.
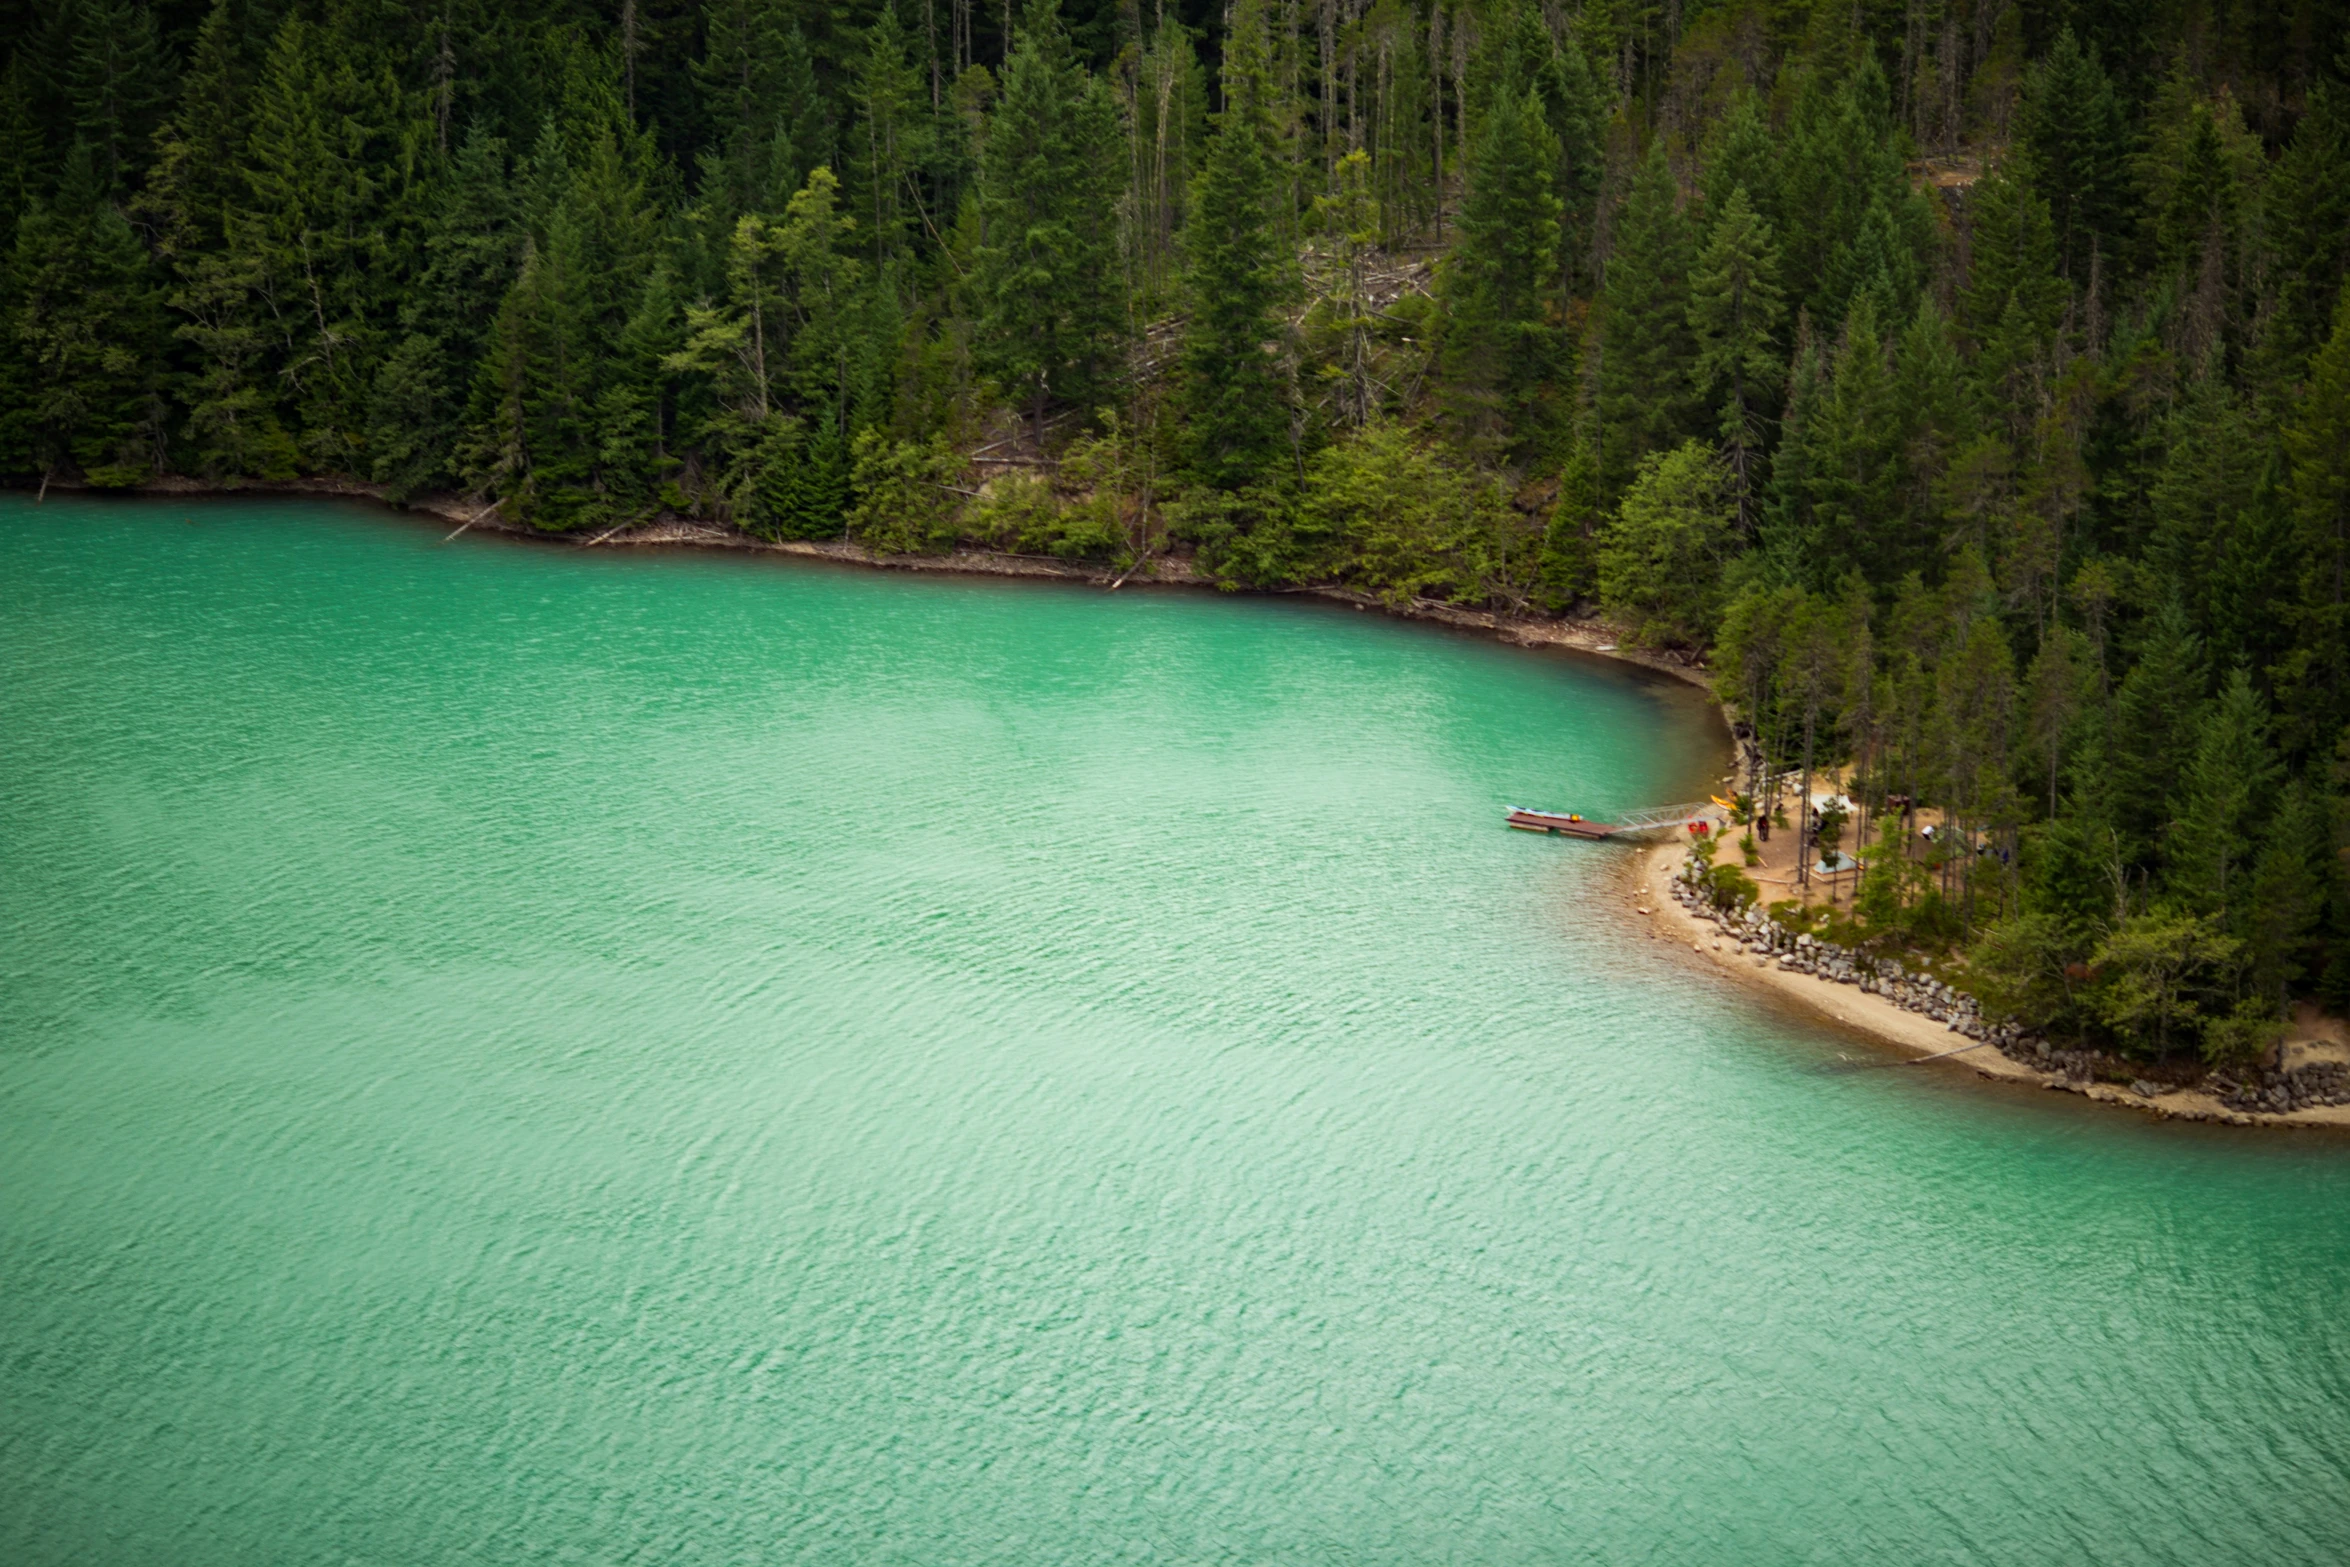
1552 822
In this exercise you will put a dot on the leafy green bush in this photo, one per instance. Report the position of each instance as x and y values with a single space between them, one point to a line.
1660 559
907 496
1240 538
1386 514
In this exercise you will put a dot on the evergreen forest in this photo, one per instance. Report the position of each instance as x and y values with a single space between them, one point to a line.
1966 382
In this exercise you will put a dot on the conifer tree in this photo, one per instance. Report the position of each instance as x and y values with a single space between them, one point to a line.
85 337
767 115
1047 280
1661 557
2200 492
1342 313
2013 298
891 139
2152 730
1837 483
533 440
119 82
1503 346
201 146
1240 275
1734 315
743 348
1568 561
2283 903
1741 154
2077 148
1938 412
2197 174
320 223
1575 111
1646 402
1840 158
473 250
24 152
2306 213
2055 689
1170 128
840 327
2317 445
2225 794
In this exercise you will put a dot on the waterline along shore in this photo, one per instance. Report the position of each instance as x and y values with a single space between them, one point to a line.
468 515
2310 1069
1930 1022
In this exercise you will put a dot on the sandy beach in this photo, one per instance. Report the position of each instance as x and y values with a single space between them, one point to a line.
1911 1034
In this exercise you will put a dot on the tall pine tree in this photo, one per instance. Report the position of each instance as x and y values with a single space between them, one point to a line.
1646 401
1734 315
1240 276
1050 312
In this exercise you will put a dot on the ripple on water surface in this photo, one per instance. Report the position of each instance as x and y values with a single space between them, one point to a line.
515 1054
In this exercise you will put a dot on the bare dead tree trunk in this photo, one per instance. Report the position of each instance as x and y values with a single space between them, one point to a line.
628 48
1436 106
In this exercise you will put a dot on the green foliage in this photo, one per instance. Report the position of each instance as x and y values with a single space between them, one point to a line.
907 494
117 80
1646 403
1569 562
767 118
2306 212
2077 149
1661 557
1242 538
2317 446
1503 346
1383 513
1239 277
1723 886
2031 969
1047 280
84 380
1891 884
1849 224
2225 795
2158 977
1836 502
1734 313
2014 297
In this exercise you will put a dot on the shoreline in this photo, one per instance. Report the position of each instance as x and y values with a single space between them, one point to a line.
1649 903
1533 631
1915 1036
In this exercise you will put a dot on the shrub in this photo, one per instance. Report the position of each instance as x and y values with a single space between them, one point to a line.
1385 514
905 494
1660 558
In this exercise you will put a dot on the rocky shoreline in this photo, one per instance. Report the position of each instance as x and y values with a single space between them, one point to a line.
2314 1092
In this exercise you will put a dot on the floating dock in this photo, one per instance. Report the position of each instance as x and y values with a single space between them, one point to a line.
1635 824
1552 821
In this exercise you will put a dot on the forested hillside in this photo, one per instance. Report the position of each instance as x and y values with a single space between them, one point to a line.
1969 380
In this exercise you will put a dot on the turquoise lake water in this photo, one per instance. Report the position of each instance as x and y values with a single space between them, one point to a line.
517 1054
